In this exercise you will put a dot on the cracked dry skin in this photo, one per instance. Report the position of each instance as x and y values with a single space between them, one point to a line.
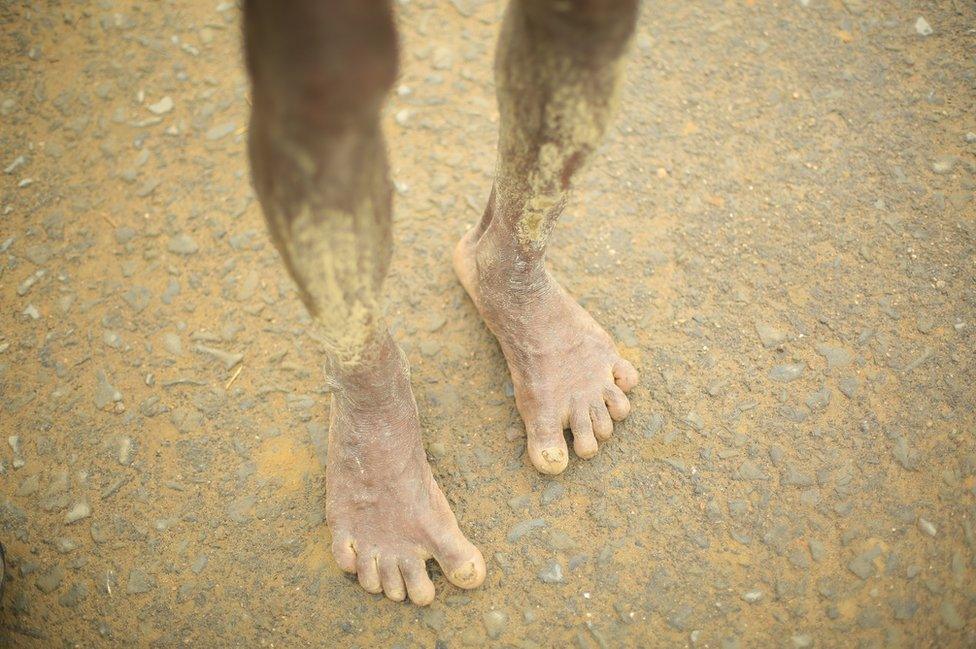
777 230
565 369
386 513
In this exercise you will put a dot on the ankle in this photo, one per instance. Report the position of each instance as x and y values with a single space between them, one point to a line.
505 264
380 373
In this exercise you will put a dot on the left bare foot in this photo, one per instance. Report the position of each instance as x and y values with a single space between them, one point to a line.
564 366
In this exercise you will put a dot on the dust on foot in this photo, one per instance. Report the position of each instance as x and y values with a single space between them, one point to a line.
565 368
386 513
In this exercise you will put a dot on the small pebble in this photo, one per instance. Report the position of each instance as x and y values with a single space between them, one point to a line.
552 574
752 596
14 441
77 512
786 373
495 623
162 106
927 527
182 244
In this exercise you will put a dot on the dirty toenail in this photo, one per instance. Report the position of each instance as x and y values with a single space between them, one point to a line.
553 455
466 572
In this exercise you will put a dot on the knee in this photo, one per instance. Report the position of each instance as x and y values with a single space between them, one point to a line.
320 63
587 19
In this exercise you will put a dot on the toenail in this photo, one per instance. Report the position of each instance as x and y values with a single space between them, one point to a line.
466 572
553 455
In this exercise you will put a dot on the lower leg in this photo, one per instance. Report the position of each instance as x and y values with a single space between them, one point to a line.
320 72
557 68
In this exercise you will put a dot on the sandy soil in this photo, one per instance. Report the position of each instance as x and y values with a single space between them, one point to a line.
779 229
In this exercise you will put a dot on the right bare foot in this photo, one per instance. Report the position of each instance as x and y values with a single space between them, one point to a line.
565 368
386 513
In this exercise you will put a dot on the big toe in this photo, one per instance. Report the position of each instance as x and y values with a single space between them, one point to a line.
547 447
461 561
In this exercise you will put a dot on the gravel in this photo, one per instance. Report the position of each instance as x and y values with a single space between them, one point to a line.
78 512
162 106
105 392
182 244
552 573
495 623
49 580
138 582
770 336
927 527
521 529
788 372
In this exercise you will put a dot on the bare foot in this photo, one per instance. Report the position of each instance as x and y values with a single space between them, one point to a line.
564 366
386 513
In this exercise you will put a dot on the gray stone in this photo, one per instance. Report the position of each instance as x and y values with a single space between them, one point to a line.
794 477
680 618
944 165
105 392
112 339
14 442
126 451
138 582
79 511
787 372
521 529
228 359
74 596
137 298
749 471
553 492
182 244
818 400
927 527
240 510
49 581
801 640
770 336
694 420
162 106
906 455
199 564
186 420
495 623
950 616
552 574
817 550
863 564
221 131
654 425
836 356
172 343
904 609
849 386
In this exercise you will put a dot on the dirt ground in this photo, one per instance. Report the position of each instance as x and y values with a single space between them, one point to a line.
779 230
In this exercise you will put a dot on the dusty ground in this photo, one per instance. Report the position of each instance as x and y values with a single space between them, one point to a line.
779 229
